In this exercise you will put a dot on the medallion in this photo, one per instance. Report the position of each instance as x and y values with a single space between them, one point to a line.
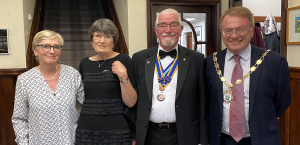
227 96
160 97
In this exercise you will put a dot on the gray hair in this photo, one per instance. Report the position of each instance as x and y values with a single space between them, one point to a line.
168 11
106 26
43 35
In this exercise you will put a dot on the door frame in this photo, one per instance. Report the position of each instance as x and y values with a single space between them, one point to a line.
214 40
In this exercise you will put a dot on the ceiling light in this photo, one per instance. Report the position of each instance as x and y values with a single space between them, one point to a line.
190 19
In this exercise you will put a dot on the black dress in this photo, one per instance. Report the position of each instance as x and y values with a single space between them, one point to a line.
102 120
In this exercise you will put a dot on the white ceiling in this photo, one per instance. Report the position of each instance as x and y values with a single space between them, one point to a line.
197 16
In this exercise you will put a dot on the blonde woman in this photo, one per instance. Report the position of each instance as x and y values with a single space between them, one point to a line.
46 95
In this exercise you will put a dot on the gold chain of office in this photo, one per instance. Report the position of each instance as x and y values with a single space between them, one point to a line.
246 75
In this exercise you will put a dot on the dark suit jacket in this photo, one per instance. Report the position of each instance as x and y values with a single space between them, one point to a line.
269 96
191 105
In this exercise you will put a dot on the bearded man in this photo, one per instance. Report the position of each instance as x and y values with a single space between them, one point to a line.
172 107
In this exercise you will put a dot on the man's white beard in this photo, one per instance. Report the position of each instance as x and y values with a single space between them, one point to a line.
169 43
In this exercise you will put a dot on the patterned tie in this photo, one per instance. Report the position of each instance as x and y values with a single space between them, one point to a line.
237 108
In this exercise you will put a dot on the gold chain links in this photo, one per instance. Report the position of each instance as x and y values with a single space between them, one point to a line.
252 69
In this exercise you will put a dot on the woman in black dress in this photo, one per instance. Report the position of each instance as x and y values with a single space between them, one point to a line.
109 84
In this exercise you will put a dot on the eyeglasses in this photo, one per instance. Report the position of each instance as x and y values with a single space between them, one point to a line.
239 31
106 37
47 47
163 26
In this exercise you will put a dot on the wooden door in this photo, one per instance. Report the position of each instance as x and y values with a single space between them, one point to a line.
210 8
189 40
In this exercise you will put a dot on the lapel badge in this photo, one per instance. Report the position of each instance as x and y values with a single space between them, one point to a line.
184 59
148 62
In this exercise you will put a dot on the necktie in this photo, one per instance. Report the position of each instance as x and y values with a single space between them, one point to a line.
163 54
237 106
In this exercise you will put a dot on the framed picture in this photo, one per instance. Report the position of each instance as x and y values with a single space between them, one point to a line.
4 41
198 30
293 25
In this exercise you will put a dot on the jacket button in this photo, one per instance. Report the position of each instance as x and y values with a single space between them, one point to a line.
149 109
176 106
145 125
219 136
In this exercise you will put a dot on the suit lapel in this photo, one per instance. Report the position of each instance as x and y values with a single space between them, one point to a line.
183 65
254 77
149 70
221 61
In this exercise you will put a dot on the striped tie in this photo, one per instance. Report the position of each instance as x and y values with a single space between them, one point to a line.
237 108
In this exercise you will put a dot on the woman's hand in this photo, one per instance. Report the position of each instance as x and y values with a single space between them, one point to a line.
133 142
120 70
129 95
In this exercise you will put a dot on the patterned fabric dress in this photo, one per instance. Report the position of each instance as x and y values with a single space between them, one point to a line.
44 117
102 120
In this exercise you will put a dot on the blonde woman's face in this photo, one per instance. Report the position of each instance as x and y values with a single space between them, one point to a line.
48 57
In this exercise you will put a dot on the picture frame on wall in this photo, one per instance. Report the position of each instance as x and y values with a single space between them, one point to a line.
293 25
4 49
198 30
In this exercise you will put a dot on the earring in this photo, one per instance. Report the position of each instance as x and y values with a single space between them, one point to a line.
37 59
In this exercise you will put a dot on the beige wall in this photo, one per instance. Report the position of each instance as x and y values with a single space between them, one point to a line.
293 51
12 18
132 16
28 8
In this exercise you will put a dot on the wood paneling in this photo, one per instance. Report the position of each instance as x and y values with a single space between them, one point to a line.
283 46
263 18
111 13
37 25
8 79
289 122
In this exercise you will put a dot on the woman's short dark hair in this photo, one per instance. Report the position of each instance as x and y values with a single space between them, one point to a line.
106 26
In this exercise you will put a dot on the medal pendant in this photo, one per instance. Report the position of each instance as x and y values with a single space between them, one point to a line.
160 97
227 97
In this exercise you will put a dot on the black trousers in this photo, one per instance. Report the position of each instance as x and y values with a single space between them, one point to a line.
159 136
228 140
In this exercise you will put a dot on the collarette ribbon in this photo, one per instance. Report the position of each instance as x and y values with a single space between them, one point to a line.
163 78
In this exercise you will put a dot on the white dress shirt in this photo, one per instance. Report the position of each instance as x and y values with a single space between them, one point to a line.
164 111
245 62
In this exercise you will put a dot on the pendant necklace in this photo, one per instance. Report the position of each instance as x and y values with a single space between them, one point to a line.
101 63
227 96
49 79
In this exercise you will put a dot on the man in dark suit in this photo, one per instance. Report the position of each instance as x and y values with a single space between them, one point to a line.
249 87
172 108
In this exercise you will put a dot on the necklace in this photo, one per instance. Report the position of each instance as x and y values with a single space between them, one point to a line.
227 97
101 63
49 79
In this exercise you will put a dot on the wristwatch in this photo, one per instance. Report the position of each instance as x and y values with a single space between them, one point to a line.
124 80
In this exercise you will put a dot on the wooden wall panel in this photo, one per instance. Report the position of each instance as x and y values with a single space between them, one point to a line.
8 79
294 121
289 122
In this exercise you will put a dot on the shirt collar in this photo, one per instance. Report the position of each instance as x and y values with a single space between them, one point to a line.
160 48
245 54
